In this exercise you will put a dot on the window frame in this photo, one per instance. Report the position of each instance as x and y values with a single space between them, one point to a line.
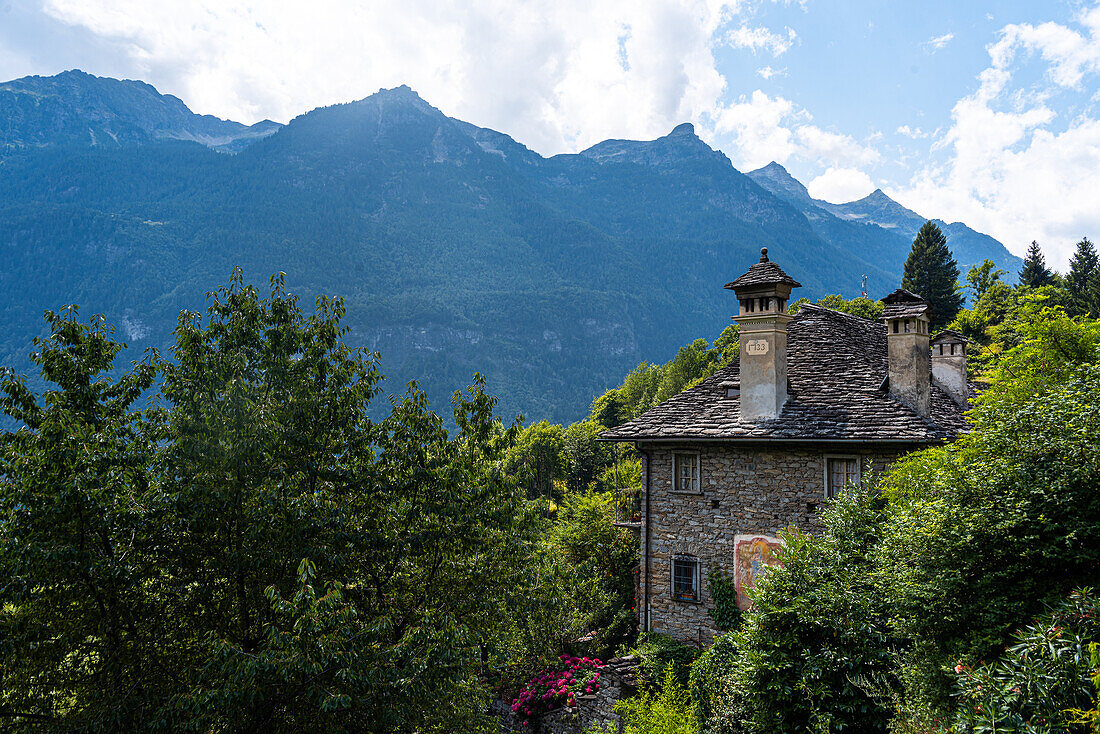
697 581
858 474
698 473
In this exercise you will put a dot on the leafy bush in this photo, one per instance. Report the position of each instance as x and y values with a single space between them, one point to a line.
818 627
663 709
1035 685
709 680
987 530
659 655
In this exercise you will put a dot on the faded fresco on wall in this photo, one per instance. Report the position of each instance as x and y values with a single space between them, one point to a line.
755 554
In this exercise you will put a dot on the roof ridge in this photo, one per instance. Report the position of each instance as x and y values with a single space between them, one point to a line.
845 314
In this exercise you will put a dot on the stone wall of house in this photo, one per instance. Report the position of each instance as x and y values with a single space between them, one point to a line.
744 492
619 679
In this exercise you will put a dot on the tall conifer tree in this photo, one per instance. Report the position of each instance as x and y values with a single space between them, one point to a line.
1083 282
1035 272
932 272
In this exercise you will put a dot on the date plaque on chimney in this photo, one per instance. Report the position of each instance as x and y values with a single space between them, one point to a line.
756 346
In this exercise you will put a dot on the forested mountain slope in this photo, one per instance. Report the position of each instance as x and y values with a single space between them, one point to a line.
457 248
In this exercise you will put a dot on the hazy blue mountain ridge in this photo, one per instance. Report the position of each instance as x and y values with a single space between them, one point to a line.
75 107
456 248
899 225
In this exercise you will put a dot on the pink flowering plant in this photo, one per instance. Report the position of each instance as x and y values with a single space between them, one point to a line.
559 686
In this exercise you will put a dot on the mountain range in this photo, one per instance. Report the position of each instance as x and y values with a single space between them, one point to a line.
456 248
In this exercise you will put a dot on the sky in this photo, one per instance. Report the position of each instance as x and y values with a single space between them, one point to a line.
981 112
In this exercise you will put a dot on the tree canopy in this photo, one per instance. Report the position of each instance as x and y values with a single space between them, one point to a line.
932 272
1035 273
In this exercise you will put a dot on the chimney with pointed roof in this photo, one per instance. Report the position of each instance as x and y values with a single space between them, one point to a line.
762 293
907 317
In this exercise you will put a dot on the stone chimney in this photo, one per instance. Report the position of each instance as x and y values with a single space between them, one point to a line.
907 318
949 365
762 293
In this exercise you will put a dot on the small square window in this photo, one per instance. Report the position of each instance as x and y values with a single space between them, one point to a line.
685 472
685 578
840 471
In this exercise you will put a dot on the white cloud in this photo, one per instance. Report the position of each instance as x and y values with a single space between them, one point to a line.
1070 54
756 126
840 185
767 72
557 74
935 43
756 39
837 148
761 129
911 132
1015 170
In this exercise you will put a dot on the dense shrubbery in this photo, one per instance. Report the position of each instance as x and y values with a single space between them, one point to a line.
818 631
255 552
659 709
1040 681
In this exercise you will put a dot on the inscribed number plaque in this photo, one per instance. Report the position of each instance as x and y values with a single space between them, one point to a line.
756 346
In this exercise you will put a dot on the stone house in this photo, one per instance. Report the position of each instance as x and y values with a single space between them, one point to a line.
815 402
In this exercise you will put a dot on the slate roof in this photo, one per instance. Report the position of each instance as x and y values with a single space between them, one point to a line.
903 304
950 335
836 366
764 272
906 311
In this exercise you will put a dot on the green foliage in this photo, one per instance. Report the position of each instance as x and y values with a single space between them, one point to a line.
152 560
1091 717
610 410
723 592
623 474
663 709
932 272
709 682
982 277
1083 281
659 655
1035 273
584 457
817 630
1040 680
81 611
984 531
536 458
863 307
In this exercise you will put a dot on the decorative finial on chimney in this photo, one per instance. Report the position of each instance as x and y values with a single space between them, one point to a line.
763 254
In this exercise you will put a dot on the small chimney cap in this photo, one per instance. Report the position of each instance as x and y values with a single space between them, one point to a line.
950 335
763 274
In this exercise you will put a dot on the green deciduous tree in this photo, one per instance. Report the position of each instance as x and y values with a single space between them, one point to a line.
166 569
82 621
536 458
585 457
932 272
863 307
983 277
